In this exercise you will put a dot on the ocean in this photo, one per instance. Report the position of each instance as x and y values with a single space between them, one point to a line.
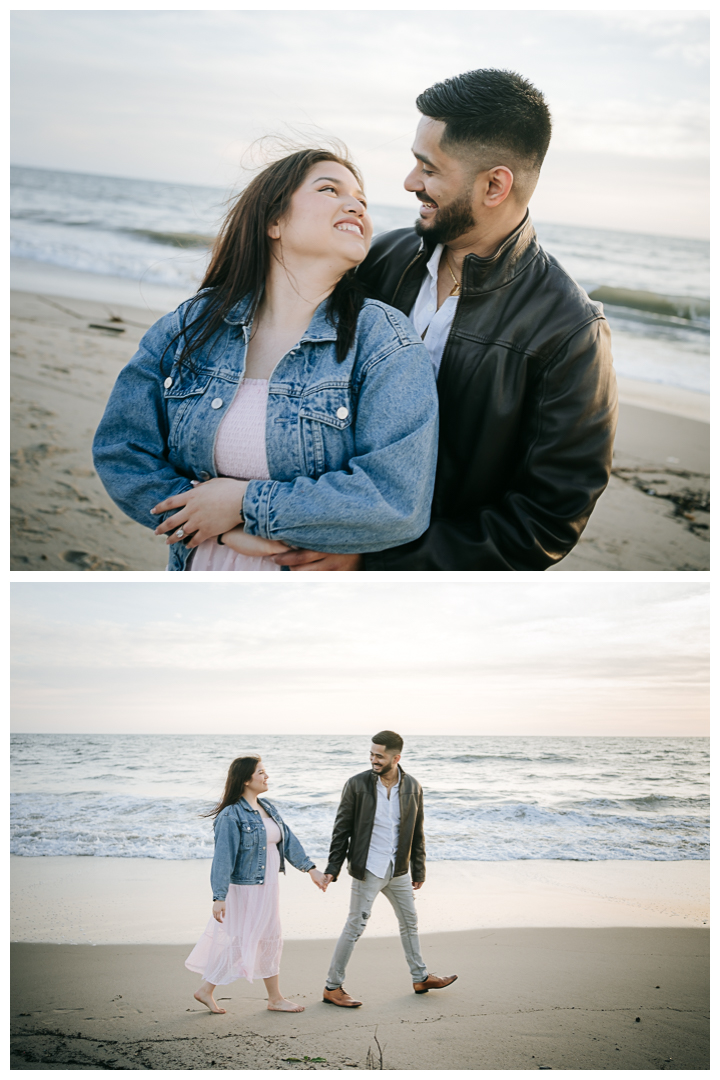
655 289
497 798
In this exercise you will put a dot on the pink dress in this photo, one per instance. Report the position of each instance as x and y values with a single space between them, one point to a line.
248 943
239 453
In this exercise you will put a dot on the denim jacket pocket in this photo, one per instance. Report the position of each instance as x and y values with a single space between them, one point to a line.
180 396
326 417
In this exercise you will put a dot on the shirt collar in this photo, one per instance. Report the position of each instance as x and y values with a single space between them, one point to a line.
433 263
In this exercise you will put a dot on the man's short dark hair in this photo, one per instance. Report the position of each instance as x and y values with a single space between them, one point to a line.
390 740
491 110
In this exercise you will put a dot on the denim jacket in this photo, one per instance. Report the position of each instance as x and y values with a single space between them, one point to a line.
351 446
240 847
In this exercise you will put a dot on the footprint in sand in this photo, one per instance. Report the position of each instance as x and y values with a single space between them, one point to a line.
86 561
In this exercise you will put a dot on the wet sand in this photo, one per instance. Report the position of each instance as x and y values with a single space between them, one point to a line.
77 900
652 517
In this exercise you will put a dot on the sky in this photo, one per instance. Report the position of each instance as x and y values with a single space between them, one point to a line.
547 657
180 95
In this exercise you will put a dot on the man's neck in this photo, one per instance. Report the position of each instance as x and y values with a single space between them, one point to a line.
487 236
390 779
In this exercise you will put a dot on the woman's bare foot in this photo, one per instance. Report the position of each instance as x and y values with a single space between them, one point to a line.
205 997
283 1005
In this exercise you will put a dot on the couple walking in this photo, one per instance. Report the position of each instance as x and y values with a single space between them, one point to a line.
378 828
442 400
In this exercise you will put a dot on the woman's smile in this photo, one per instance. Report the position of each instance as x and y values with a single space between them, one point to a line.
350 226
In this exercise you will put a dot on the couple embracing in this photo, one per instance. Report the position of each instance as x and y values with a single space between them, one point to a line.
378 828
442 400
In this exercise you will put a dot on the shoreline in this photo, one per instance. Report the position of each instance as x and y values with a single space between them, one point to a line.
525 999
103 901
29 276
68 350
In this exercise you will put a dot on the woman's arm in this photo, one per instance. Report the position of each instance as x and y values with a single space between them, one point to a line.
386 491
227 845
130 444
295 852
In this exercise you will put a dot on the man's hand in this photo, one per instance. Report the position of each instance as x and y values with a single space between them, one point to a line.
319 879
328 879
300 559
246 544
417 884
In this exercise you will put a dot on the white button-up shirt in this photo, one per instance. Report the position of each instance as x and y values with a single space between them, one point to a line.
384 839
425 314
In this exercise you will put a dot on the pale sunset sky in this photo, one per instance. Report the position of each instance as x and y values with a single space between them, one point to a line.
179 95
518 657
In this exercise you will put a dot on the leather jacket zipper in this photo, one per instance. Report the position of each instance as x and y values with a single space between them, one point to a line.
402 276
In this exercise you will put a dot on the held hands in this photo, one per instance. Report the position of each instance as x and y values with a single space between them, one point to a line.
319 879
218 910
210 509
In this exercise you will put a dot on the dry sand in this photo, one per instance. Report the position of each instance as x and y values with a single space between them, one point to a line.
526 999
556 961
652 517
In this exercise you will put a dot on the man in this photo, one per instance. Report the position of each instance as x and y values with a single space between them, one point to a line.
379 828
528 404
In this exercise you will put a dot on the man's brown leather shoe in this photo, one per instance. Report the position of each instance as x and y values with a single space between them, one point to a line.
339 997
433 982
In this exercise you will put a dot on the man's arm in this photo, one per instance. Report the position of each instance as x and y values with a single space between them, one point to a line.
417 851
564 470
342 831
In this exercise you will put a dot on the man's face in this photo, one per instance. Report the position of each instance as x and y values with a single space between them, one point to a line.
443 184
381 760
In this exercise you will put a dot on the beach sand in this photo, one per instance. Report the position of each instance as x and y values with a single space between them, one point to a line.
653 515
556 963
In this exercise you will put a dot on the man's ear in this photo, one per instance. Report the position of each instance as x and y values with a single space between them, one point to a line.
498 185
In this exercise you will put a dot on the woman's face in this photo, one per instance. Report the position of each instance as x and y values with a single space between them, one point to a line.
327 220
258 782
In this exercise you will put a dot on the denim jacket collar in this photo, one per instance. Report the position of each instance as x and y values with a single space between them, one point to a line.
321 327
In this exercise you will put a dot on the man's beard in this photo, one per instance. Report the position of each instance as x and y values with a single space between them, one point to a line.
450 222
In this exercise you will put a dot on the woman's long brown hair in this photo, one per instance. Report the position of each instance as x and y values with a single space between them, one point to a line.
239 773
240 260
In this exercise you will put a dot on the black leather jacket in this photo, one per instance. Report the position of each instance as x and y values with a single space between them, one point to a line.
528 407
354 823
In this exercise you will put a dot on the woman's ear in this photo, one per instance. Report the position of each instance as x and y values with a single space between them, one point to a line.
274 230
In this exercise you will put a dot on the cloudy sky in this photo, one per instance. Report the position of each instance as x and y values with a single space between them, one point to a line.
180 95
547 657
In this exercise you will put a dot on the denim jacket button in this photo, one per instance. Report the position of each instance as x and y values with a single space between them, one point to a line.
204 475
342 413
168 383
216 403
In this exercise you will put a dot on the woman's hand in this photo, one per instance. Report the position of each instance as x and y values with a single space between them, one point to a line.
219 910
208 510
319 879
245 544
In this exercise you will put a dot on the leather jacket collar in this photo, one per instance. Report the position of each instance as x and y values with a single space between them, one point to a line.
510 258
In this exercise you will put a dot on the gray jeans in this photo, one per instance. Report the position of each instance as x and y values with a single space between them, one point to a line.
399 892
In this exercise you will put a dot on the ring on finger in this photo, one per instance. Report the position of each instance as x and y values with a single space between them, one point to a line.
180 532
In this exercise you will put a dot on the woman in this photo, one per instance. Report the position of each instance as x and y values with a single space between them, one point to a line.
243 937
277 408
